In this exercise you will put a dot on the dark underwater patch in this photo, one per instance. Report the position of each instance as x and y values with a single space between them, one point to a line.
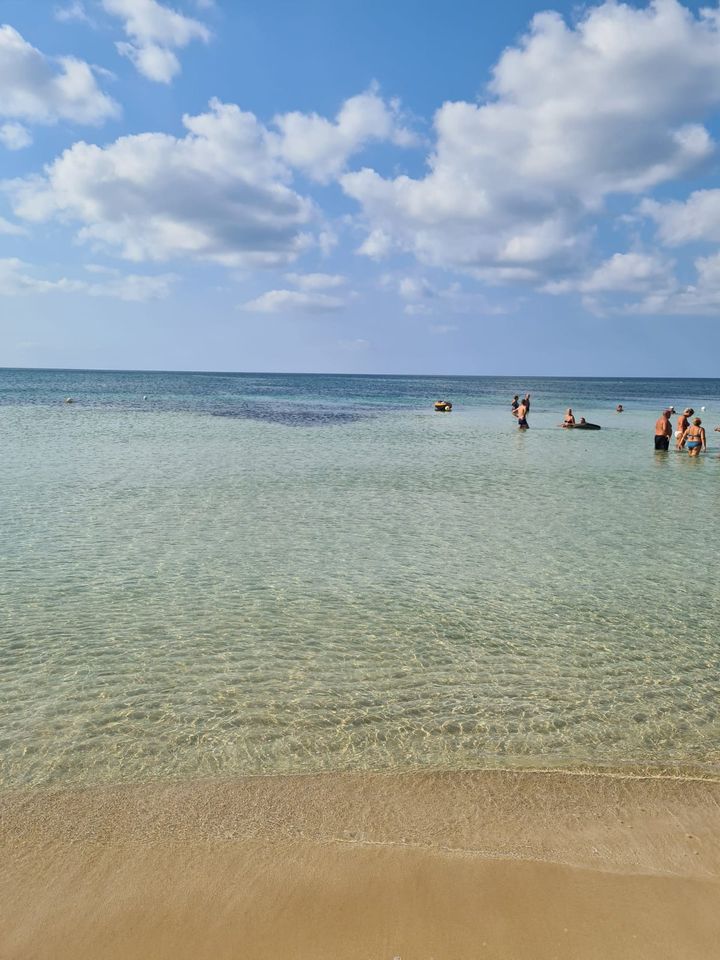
295 416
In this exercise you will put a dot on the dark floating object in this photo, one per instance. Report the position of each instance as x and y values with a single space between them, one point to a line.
442 406
68 400
583 425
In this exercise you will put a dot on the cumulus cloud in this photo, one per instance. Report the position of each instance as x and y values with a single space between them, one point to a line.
41 89
623 272
316 281
611 105
279 301
221 193
321 147
678 222
154 31
15 136
217 194
17 279
699 298
646 283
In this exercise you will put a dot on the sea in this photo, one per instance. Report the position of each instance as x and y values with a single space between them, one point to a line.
213 575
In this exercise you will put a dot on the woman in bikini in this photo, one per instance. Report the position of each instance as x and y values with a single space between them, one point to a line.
569 420
682 425
694 438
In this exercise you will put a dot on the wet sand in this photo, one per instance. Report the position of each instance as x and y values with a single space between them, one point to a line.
518 866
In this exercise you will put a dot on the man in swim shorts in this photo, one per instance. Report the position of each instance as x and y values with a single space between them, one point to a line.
522 416
663 431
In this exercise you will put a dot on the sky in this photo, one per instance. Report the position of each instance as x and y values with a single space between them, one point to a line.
360 186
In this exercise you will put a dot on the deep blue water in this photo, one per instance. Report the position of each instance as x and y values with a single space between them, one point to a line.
318 399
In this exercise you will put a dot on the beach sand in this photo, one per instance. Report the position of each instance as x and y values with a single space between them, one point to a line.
449 866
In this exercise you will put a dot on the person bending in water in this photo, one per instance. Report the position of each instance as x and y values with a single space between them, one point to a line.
682 425
569 420
694 436
522 412
663 431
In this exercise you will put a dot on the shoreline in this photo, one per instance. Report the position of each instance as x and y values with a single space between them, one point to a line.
365 865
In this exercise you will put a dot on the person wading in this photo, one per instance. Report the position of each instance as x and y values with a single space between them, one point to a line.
663 431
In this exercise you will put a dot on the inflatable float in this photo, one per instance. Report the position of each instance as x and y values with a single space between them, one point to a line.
583 425
442 406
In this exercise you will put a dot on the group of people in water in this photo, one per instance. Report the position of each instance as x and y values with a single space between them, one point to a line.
569 422
520 409
689 433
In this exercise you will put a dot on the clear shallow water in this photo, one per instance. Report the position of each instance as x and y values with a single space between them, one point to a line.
256 573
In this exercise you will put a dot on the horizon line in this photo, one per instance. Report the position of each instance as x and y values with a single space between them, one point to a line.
325 373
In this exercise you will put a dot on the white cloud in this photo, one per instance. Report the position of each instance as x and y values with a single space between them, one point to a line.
217 194
613 104
15 136
316 281
623 272
697 218
422 298
377 245
321 147
416 288
40 89
277 301
651 278
10 229
154 31
72 12
17 279
699 298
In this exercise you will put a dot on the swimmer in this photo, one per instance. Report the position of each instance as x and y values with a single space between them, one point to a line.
682 425
619 408
569 420
694 436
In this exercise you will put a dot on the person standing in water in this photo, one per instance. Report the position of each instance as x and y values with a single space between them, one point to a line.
522 412
514 405
694 436
663 431
682 425
569 420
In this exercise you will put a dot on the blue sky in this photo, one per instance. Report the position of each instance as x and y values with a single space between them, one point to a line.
352 185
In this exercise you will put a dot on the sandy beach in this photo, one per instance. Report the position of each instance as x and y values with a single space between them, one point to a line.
364 866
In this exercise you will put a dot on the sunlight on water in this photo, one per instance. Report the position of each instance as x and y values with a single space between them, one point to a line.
186 594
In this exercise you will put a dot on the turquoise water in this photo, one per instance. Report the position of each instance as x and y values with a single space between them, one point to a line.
208 575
